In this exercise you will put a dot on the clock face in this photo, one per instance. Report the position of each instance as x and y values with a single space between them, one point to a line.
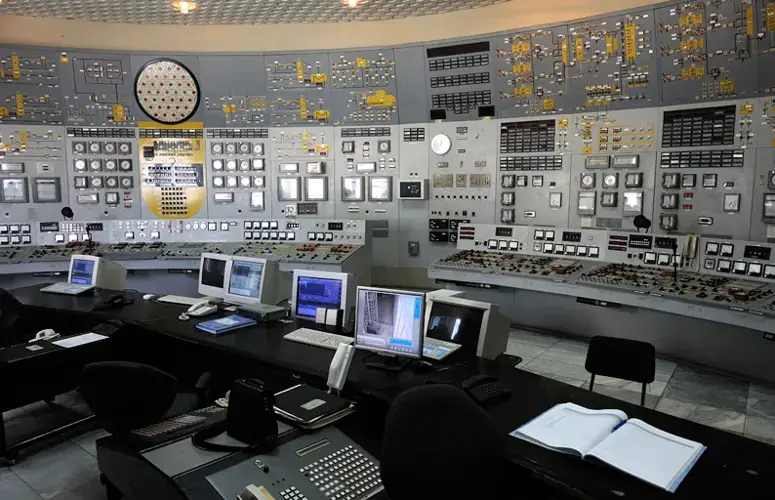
167 91
441 144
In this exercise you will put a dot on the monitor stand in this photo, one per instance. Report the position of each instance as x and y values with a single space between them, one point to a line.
385 362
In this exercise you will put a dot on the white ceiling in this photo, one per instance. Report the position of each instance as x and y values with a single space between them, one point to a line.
236 11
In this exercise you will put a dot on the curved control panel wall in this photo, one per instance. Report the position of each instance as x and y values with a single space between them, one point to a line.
663 112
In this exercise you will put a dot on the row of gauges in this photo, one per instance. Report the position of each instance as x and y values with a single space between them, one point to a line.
233 148
588 180
108 148
98 165
97 182
244 181
243 165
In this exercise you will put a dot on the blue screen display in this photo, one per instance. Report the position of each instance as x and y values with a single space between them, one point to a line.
313 293
82 272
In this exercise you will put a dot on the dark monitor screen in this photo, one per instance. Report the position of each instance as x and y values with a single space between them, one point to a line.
82 272
213 273
313 293
455 323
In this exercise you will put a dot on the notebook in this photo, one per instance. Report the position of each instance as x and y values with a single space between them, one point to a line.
632 446
305 404
227 324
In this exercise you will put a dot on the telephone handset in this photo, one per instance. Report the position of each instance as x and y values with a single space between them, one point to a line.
340 366
690 247
47 334
485 389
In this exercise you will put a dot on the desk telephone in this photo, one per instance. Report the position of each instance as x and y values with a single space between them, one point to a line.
485 389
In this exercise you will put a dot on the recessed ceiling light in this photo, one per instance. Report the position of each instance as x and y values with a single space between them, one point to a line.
184 6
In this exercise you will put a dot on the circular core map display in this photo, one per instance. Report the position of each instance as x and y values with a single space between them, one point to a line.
167 91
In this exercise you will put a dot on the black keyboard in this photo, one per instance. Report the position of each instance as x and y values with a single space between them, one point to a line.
178 426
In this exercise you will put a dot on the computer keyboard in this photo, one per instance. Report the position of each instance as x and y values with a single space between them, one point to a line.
177 299
320 339
180 425
68 288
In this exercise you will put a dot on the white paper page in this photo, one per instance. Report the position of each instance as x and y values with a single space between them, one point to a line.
646 452
86 338
570 426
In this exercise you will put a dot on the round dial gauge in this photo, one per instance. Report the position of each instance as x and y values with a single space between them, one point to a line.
95 165
217 164
94 147
258 182
244 165
80 165
772 178
110 164
217 148
126 165
218 182
244 182
609 180
124 148
79 147
231 165
258 149
109 147
231 148
111 182
126 182
441 144
96 182
587 180
231 182
244 147
167 91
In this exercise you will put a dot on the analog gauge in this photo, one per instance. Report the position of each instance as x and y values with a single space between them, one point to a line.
244 165
441 144
258 181
110 164
125 165
588 180
258 148
610 180
217 164
95 165
244 182
111 182
217 148
167 91
94 147
218 182
96 182
383 146
124 148
109 148
231 165
126 182
79 147
244 148
231 148
772 178
231 182
80 165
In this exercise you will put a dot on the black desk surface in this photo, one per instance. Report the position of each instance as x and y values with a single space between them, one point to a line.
731 467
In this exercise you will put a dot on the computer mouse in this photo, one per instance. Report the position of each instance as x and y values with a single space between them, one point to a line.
183 317
149 296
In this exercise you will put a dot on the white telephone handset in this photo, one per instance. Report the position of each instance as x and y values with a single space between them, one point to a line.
47 334
340 366
202 308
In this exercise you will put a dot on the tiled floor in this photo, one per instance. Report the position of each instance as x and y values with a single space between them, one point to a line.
688 392
67 469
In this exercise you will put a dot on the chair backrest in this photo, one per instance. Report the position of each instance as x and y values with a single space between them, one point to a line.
621 358
438 443
126 396
10 312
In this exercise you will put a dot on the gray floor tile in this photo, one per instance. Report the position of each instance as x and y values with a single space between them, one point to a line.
567 352
533 338
655 388
760 427
714 417
625 395
13 488
708 389
761 401
91 490
549 367
61 468
570 381
523 349
664 369
768 440
87 440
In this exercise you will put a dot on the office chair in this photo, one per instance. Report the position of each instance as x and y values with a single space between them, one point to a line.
10 312
631 360
438 443
126 396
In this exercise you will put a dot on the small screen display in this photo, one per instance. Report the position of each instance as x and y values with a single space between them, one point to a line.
390 322
313 293
213 273
454 323
245 279
82 272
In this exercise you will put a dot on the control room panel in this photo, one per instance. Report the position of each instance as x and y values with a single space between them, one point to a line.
657 119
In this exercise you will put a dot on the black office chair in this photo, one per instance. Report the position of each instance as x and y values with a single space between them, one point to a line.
631 360
126 396
438 443
10 312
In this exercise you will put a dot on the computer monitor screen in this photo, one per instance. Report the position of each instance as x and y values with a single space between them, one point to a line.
454 323
213 273
245 279
390 322
82 271
313 293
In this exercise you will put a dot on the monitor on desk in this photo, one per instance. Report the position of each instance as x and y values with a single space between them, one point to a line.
319 289
97 271
475 326
213 269
390 322
253 280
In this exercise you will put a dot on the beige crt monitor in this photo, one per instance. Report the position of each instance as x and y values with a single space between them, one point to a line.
252 280
213 271
97 271
493 328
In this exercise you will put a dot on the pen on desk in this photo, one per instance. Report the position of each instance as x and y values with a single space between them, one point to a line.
618 425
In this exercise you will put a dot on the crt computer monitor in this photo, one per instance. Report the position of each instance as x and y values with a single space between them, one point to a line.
82 271
320 289
246 280
213 269
477 327
390 322
97 271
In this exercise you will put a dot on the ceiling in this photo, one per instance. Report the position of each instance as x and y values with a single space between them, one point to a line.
236 11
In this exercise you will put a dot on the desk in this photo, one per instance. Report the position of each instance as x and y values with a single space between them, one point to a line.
732 467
